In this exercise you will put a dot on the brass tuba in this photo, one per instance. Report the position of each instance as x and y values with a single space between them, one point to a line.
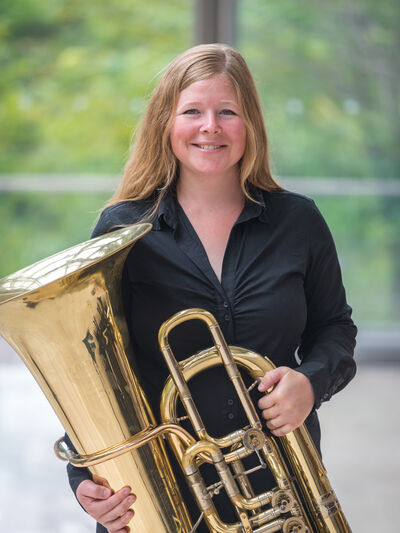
64 316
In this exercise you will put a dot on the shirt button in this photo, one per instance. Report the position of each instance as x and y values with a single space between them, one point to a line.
227 317
230 401
231 416
225 304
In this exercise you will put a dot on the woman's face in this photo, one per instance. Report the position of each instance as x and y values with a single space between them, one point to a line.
208 135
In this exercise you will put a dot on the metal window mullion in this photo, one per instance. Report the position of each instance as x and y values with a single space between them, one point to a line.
215 21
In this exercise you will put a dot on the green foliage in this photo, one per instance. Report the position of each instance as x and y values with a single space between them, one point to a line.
364 239
328 73
75 77
43 224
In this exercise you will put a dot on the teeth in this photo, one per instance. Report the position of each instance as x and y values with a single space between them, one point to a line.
209 146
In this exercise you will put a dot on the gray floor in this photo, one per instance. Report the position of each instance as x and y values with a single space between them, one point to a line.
360 427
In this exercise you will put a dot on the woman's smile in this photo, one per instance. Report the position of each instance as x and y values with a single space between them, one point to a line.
210 147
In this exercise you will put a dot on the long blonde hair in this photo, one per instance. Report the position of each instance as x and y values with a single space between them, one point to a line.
152 166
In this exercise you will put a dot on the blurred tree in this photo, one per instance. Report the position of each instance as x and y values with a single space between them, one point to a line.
328 75
75 76
43 224
374 38
74 81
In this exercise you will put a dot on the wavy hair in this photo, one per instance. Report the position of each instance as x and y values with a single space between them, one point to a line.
153 167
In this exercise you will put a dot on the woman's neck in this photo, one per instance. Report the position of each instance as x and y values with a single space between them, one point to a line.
209 192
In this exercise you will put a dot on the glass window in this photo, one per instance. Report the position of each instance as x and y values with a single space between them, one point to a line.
327 75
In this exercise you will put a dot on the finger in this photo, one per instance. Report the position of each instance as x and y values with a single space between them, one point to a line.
271 413
114 501
267 402
275 423
119 510
267 416
281 431
89 489
118 525
123 530
271 378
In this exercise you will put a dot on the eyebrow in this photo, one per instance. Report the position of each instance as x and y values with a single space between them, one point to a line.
195 102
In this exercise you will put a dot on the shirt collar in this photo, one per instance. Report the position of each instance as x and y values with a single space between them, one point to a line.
168 210
255 208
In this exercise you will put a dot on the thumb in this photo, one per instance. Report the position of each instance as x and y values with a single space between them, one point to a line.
271 378
101 481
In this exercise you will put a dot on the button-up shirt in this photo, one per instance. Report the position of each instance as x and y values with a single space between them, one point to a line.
280 291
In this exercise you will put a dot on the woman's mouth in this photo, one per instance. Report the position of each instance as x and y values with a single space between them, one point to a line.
210 147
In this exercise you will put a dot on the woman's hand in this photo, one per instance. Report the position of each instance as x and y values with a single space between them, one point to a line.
289 403
106 507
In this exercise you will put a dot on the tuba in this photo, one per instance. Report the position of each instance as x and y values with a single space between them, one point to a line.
64 317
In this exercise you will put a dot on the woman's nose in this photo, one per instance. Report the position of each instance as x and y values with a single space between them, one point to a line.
210 124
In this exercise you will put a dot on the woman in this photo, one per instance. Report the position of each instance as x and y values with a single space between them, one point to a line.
227 238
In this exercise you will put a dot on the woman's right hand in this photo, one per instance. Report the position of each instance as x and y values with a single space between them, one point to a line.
112 510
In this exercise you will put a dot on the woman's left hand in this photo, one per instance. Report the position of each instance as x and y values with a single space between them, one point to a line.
289 403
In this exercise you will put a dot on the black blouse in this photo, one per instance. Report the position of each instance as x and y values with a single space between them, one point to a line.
281 295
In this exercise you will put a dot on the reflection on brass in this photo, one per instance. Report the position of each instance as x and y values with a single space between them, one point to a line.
64 316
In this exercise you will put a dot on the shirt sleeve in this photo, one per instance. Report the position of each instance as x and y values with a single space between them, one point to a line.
118 216
328 341
75 475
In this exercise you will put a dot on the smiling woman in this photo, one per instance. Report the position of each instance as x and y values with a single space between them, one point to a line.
228 239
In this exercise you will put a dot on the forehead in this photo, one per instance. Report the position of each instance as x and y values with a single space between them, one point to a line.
218 87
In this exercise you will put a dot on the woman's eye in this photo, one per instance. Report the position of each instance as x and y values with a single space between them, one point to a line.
190 111
228 112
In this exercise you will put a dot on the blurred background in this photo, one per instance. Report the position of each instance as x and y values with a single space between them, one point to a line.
75 78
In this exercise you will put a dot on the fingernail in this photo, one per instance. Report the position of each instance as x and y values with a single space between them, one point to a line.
106 493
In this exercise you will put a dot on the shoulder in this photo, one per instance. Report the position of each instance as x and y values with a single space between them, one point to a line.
298 214
284 202
121 214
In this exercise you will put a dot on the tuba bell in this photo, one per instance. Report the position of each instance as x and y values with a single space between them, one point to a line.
64 317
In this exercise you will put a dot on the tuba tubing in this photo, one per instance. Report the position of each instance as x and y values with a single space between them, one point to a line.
321 509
